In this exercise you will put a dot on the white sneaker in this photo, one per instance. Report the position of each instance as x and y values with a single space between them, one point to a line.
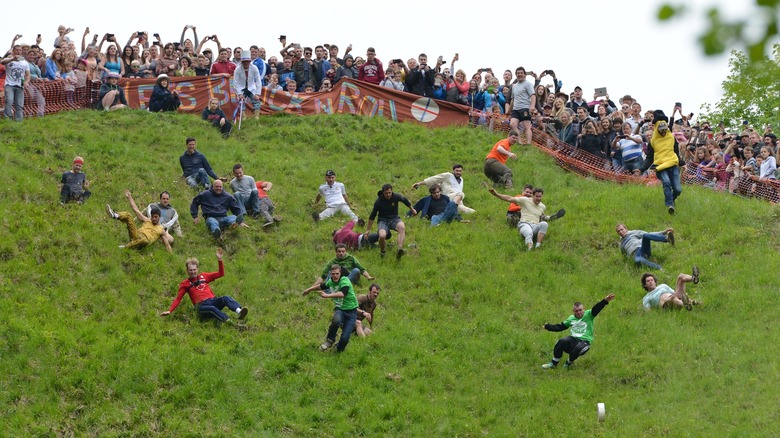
327 344
111 213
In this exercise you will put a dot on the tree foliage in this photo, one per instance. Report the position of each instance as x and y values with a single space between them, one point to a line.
724 32
751 92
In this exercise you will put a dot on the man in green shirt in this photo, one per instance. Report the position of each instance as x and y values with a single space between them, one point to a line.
581 325
345 313
351 266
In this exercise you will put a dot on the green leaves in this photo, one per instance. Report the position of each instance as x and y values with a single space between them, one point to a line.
724 33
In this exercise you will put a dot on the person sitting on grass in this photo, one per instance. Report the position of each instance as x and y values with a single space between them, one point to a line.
636 243
169 217
163 99
437 207
353 240
345 313
267 206
74 184
197 287
365 312
150 231
217 117
111 96
662 296
195 167
581 326
216 204
533 221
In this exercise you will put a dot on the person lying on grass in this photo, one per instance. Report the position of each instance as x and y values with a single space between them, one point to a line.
663 297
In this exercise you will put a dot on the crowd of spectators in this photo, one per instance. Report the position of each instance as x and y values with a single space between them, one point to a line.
612 134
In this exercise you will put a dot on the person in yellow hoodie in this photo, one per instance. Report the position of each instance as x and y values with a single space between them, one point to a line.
663 155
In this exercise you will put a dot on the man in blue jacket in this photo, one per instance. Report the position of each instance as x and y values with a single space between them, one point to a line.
195 167
217 205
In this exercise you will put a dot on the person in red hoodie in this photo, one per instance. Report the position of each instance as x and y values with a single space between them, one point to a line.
371 71
197 287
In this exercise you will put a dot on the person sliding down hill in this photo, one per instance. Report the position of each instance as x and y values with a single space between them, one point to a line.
533 221
581 325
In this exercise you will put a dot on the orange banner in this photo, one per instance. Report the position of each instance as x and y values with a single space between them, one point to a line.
348 97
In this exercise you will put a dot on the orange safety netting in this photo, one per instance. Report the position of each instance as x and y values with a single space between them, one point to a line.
44 98
589 165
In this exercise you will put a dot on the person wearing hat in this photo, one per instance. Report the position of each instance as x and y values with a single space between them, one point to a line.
73 185
111 96
577 101
662 154
336 200
247 82
162 98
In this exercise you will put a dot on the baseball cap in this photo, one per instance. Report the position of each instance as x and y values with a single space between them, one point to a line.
330 173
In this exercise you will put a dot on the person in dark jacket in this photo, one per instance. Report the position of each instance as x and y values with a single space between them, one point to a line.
216 205
111 96
217 117
163 99
386 207
195 167
420 78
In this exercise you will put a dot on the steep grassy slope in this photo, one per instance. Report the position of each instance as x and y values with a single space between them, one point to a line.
458 342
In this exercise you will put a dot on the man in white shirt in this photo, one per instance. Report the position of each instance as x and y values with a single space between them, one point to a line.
451 186
248 83
336 199
533 221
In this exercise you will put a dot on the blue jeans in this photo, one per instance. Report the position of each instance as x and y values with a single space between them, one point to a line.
670 179
212 308
217 224
642 254
251 200
200 177
14 99
346 320
448 215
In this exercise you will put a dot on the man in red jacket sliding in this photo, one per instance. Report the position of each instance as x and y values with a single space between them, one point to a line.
197 286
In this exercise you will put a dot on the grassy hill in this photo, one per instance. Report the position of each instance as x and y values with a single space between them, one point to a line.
458 341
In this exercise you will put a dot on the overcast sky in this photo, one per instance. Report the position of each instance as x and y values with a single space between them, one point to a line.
616 44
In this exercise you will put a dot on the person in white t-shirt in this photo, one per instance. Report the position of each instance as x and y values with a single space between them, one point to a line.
533 221
336 199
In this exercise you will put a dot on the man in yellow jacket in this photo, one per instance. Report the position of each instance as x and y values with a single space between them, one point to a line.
663 154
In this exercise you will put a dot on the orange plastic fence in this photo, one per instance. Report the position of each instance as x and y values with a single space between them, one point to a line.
589 165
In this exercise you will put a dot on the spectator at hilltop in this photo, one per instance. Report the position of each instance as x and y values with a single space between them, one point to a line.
217 117
162 99
371 71
223 66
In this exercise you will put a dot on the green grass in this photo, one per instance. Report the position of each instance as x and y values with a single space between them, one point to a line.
458 342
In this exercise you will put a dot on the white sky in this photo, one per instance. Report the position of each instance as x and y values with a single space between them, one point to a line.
614 43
